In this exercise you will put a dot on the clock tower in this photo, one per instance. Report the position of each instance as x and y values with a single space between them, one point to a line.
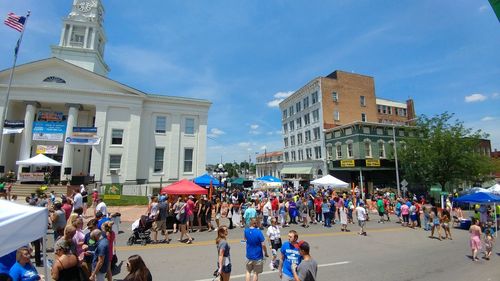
83 38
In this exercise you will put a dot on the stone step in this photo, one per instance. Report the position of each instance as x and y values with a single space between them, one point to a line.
23 190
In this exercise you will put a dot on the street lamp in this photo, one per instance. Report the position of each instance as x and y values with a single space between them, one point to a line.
220 172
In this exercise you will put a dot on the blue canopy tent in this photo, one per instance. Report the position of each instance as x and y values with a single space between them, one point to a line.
482 198
204 180
267 182
269 179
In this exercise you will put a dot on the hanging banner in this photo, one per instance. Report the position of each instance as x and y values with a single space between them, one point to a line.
113 191
7 131
347 163
49 131
13 127
45 115
83 140
46 149
84 132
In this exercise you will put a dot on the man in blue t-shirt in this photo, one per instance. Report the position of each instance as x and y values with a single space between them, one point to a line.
255 248
100 262
289 254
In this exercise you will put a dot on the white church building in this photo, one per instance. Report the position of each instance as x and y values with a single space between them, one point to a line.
66 108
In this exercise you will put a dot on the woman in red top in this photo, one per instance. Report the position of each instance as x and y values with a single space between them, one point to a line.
107 228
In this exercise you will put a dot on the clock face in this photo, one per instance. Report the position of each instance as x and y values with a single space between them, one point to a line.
85 6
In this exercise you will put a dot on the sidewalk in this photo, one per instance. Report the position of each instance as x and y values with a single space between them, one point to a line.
128 213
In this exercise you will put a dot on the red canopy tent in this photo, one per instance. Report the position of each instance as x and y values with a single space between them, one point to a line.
183 187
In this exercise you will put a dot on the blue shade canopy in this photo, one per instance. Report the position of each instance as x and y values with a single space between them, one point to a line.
479 198
269 179
204 180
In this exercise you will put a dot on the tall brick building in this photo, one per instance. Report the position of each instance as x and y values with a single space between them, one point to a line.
338 99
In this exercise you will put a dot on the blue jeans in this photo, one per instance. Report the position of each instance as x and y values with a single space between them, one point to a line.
426 223
328 219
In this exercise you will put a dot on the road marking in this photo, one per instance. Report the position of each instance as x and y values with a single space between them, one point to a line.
275 271
236 241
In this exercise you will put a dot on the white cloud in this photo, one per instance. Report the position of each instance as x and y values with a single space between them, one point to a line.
254 132
279 97
495 95
483 8
263 147
254 126
278 132
244 144
214 132
487 118
475 98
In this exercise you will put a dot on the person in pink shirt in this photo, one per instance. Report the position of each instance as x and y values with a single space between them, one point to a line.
190 213
405 212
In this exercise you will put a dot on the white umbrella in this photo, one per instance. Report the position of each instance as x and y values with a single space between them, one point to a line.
39 160
331 181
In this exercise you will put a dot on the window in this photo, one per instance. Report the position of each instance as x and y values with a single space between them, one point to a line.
308 136
381 150
314 97
301 154
379 108
292 126
307 119
293 156
285 128
299 122
285 114
309 154
298 107
159 154
338 149
316 133
389 110
336 115
285 140
115 161
315 115
292 140
189 126
368 149
317 152
335 96
117 136
362 100
290 109
384 109
188 160
350 152
363 117
305 101
299 139
161 124
287 158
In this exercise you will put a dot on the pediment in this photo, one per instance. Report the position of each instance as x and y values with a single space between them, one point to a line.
59 74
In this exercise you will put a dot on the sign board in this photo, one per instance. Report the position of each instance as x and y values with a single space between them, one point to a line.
113 191
49 131
24 177
83 140
46 149
404 183
372 162
46 115
13 127
347 163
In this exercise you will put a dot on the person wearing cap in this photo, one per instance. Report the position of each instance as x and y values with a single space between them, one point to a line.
361 212
101 219
308 268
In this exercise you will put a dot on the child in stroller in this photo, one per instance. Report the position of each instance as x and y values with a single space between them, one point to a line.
141 229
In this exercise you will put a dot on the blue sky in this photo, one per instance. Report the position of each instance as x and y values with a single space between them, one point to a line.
246 55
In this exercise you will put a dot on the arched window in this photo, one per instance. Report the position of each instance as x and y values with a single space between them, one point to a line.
54 79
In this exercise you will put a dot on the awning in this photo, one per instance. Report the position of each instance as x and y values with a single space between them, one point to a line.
296 170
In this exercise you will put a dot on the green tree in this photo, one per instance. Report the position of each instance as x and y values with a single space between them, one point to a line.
442 150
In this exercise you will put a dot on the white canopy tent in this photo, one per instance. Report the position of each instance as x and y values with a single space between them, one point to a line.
330 181
39 160
494 189
20 225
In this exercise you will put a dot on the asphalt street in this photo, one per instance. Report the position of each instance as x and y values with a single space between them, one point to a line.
388 252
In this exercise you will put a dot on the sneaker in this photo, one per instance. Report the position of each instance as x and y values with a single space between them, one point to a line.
271 266
189 242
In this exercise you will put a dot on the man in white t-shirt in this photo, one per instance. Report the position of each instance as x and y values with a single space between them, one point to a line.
77 200
101 207
361 213
266 211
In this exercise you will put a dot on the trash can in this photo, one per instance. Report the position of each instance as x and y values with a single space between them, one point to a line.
116 218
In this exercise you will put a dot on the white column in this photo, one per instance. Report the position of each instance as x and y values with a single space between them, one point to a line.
27 134
67 160
98 151
133 144
68 39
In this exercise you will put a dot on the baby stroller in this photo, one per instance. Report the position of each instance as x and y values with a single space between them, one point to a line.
141 229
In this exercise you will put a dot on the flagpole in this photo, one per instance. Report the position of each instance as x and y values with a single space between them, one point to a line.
6 101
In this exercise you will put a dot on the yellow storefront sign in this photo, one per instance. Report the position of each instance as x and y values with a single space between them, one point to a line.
372 162
347 163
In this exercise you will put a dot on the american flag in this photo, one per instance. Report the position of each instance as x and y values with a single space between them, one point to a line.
15 21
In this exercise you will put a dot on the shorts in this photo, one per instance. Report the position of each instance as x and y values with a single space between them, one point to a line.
217 216
406 218
413 217
381 213
226 268
160 225
361 223
256 266
191 218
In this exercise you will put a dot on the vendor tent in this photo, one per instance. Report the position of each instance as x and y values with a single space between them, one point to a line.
330 181
267 182
183 187
269 179
39 160
21 224
495 189
204 180
479 198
